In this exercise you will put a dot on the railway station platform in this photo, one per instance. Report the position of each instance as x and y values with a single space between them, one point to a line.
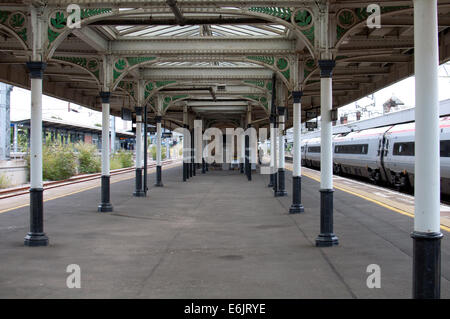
215 236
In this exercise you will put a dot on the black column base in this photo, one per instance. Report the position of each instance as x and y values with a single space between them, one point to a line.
184 172
327 240
194 169
426 265
207 167
326 237
159 177
296 207
270 181
35 239
105 206
203 166
281 192
139 192
275 183
241 168
36 236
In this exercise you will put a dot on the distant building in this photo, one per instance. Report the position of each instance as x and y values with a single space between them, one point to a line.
391 105
69 132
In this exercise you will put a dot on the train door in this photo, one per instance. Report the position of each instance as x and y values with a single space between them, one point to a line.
383 148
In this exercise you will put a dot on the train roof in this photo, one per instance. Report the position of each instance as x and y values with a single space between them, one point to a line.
373 132
411 127
312 140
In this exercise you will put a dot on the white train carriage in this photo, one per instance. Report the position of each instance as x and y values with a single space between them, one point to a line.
357 153
399 147
312 152
397 164
384 154
303 152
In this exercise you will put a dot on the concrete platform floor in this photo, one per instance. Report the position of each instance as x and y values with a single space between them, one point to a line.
215 236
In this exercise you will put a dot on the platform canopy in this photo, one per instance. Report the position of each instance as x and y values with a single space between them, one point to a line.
216 57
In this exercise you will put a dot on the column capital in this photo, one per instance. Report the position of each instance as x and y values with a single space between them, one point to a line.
36 69
326 68
272 118
138 110
106 96
281 110
297 95
158 119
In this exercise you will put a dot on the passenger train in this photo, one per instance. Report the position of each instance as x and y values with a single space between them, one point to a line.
385 155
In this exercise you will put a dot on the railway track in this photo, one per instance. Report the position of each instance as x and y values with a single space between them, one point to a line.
23 190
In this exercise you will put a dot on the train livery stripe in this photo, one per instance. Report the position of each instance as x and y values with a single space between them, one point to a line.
399 211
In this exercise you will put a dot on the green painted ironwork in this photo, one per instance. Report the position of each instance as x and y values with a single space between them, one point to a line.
349 17
261 99
128 86
346 18
282 13
170 99
122 64
92 65
303 18
164 83
137 60
261 83
119 68
282 64
87 13
58 23
16 21
150 86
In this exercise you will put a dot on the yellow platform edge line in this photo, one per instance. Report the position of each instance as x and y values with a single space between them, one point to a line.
399 211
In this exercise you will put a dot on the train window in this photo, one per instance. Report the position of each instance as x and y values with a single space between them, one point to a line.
314 149
408 149
352 149
403 149
303 148
445 148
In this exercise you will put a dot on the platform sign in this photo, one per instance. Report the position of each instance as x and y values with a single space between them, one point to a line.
311 125
310 115
126 114
334 115
166 135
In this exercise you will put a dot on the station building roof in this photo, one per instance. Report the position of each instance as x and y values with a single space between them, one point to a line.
57 124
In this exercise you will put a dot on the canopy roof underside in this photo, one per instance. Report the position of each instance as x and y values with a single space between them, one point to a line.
216 57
